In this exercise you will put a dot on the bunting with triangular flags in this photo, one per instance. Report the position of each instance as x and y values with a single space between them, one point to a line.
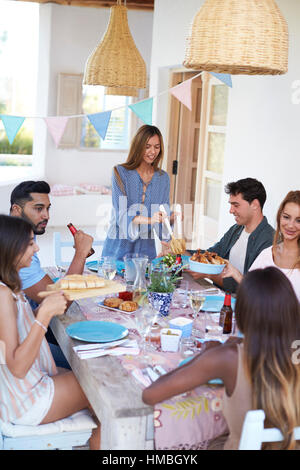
56 126
183 92
143 109
224 77
100 121
12 125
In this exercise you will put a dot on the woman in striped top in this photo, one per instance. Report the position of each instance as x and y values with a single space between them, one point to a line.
139 187
31 390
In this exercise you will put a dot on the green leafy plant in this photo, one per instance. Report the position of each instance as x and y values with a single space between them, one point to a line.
163 280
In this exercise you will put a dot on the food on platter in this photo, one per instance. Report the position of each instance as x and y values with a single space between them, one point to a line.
80 281
120 304
207 258
129 306
113 302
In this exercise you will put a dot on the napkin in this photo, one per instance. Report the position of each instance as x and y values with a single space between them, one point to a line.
116 348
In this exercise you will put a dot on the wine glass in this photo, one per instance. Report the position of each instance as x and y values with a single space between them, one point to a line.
197 300
109 268
144 319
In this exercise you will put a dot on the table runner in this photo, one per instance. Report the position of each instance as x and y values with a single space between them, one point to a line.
189 421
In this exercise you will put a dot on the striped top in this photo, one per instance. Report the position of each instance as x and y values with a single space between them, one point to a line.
18 395
123 237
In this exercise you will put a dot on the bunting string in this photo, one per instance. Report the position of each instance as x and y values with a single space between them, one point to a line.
143 109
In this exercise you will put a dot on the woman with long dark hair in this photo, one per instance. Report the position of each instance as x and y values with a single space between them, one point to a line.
260 373
31 390
139 186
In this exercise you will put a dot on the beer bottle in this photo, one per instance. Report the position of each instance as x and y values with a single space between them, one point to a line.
73 230
226 308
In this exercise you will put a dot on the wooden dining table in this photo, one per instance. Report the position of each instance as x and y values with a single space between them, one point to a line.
127 423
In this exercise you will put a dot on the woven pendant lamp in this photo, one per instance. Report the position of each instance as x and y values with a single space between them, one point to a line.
238 37
116 61
121 90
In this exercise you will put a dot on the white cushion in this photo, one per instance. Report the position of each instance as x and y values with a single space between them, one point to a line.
79 421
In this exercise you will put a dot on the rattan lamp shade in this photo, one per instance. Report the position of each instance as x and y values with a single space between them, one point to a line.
121 90
116 61
238 37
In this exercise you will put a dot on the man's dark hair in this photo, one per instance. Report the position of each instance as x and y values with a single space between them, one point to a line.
21 193
249 188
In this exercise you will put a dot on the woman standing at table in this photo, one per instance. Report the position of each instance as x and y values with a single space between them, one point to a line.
31 390
139 186
261 373
285 251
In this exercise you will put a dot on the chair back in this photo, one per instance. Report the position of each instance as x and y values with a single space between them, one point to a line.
254 433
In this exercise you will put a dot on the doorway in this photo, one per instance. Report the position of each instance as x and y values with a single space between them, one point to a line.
195 155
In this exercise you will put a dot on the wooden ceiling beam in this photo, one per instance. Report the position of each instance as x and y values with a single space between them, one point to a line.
131 4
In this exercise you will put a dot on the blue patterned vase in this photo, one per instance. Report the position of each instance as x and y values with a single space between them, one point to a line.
161 301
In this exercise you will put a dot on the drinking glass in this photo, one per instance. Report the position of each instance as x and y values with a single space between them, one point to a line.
180 297
130 271
144 319
109 268
197 300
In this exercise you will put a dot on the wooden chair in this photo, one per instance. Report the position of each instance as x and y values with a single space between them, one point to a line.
63 434
254 433
58 244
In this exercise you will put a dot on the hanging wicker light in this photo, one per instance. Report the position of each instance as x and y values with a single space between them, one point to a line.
238 37
116 61
122 91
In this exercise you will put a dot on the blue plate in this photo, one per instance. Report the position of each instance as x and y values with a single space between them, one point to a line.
213 381
214 303
93 266
97 331
205 268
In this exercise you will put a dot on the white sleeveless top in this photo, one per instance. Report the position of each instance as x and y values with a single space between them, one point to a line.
17 396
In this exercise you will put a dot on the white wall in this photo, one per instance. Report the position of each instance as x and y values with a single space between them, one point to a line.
263 126
74 33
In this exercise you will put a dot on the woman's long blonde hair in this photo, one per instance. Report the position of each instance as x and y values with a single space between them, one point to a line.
268 314
137 150
294 197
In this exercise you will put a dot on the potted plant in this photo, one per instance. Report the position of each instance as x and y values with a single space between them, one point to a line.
161 288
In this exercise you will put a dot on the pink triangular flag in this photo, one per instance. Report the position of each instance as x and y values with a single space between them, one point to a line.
56 126
183 92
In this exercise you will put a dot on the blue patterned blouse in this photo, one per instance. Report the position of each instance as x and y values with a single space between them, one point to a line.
123 236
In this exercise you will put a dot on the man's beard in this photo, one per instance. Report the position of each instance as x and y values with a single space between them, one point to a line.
37 230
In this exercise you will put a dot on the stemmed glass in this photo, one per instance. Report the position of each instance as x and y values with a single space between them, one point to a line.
144 319
197 300
109 268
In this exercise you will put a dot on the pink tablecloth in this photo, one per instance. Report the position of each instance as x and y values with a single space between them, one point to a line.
189 421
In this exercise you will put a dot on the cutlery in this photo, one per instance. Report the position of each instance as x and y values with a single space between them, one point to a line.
159 369
95 346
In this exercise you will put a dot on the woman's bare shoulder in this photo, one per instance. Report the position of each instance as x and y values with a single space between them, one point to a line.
6 293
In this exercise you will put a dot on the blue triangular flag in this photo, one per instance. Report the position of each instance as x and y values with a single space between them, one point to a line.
100 122
143 109
224 77
12 125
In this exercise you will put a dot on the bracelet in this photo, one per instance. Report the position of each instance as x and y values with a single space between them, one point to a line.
41 325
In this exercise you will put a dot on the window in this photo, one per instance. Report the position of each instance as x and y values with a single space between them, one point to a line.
18 72
117 136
